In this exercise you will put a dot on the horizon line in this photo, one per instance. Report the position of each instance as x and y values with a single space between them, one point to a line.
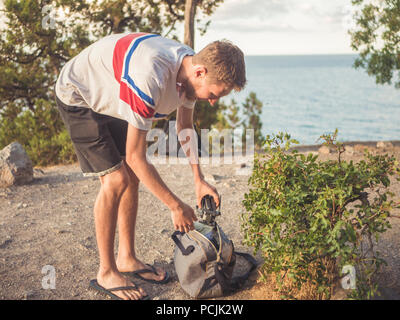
302 54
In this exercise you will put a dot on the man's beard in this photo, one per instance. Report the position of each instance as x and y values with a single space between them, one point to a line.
189 91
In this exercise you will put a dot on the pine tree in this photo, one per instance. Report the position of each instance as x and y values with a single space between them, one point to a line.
252 109
376 37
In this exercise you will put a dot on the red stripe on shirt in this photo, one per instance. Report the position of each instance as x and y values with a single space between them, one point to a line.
120 49
127 95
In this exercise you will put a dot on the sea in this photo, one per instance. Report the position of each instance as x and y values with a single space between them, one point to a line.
310 95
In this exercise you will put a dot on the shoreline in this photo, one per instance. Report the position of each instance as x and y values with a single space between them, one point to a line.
368 143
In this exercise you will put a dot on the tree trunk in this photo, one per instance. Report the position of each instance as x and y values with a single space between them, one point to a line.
190 12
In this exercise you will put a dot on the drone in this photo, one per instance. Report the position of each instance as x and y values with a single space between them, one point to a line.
208 211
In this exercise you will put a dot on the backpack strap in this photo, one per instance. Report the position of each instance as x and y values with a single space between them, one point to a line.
236 282
185 251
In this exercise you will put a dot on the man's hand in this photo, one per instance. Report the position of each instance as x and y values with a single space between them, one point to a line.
184 117
183 217
203 188
182 214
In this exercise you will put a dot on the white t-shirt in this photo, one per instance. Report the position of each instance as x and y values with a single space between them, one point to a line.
127 76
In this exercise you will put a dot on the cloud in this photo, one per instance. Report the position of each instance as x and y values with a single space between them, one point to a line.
252 16
244 25
279 15
282 26
335 13
251 9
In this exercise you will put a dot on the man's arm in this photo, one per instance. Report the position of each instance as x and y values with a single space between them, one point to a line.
182 214
184 121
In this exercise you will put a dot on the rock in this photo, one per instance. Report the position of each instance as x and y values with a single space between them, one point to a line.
21 205
15 166
156 253
5 243
229 185
244 169
29 295
349 150
38 171
324 150
360 148
211 177
384 144
386 294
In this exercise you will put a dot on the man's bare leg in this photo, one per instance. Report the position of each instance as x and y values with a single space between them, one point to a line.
127 260
113 186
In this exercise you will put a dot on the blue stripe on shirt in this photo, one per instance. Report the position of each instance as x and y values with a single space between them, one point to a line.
126 76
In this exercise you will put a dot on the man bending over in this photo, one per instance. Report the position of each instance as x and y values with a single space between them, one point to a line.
108 96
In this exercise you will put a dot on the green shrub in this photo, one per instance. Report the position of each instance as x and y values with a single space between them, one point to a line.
310 218
42 133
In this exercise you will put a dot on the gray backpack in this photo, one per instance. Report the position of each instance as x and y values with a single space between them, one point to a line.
205 257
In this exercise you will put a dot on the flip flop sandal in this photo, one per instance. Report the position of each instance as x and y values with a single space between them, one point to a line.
153 270
95 285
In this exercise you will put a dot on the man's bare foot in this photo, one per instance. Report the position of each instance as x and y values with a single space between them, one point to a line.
111 280
131 265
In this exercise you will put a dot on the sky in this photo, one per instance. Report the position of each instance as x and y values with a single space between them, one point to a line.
281 27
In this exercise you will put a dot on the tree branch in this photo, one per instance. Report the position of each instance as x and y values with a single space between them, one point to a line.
172 11
170 29
31 58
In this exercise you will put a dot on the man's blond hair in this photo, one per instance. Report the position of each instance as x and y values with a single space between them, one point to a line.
224 62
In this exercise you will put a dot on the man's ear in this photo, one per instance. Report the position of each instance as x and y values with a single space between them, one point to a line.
200 71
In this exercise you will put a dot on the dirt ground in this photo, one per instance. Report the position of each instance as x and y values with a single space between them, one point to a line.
50 222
